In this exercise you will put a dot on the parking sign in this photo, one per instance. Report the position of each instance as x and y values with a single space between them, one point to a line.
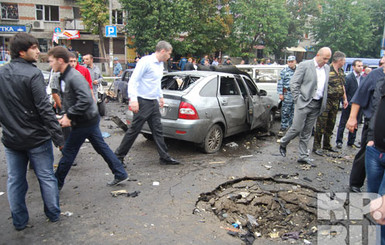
111 31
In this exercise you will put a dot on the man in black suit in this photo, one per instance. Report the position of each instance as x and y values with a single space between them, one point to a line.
352 82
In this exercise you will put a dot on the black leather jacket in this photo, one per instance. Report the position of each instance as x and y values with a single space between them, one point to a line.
78 103
26 115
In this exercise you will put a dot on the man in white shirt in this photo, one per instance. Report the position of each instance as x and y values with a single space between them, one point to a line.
309 89
145 93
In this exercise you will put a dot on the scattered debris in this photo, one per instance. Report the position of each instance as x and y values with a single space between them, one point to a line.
268 167
246 156
155 183
67 213
1 193
232 145
118 192
105 135
219 162
120 123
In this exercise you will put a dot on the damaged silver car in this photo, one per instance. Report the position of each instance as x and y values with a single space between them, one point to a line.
205 106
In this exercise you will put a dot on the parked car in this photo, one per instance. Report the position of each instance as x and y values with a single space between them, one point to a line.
206 106
266 77
120 86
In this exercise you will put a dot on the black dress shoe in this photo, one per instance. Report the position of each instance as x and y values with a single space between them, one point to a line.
319 152
169 161
355 189
306 161
339 145
282 150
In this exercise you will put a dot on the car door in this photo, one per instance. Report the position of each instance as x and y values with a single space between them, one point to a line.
256 106
231 103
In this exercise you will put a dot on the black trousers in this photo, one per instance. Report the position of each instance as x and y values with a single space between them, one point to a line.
341 127
148 112
358 173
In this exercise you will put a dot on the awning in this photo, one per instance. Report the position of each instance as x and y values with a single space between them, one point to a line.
66 34
296 49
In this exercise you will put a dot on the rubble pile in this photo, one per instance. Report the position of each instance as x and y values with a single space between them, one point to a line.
263 207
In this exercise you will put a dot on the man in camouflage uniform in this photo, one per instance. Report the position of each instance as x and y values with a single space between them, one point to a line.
283 89
336 91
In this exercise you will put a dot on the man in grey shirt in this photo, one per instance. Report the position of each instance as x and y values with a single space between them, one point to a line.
95 72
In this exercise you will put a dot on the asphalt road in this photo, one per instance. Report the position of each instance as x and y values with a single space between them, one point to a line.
160 214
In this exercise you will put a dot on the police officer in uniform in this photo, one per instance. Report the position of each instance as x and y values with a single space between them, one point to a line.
336 91
283 89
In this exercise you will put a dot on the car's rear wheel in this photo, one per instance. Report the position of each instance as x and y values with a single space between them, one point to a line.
148 136
213 139
120 97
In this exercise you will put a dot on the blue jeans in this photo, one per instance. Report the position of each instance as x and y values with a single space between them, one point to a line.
42 160
71 148
375 170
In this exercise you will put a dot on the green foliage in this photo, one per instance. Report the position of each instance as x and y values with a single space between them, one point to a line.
210 24
150 21
95 14
344 26
259 22
376 8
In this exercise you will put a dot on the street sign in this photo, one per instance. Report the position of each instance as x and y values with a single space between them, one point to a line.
382 53
12 28
58 30
111 31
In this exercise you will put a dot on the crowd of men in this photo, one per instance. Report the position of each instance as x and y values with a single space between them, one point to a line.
311 93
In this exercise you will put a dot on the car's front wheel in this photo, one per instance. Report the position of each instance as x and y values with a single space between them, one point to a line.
213 139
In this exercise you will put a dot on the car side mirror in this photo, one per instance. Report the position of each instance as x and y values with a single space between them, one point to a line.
104 83
262 92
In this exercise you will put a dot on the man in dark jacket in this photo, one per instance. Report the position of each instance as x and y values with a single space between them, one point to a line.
82 114
29 124
375 149
352 82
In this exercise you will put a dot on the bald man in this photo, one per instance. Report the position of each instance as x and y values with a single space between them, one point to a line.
309 89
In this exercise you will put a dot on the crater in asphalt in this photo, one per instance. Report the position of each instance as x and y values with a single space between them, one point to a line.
262 207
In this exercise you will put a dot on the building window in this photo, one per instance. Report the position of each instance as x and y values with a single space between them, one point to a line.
117 17
77 14
9 11
47 13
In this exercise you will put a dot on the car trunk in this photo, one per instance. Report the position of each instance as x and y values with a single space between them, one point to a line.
174 87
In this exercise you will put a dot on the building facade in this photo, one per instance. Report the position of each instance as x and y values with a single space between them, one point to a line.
43 18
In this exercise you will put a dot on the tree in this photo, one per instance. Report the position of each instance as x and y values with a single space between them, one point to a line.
209 26
95 15
259 22
150 21
376 8
343 26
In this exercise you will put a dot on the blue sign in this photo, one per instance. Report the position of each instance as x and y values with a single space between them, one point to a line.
4 28
111 31
58 30
382 53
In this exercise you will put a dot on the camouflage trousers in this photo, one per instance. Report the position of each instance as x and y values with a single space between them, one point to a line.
287 111
325 125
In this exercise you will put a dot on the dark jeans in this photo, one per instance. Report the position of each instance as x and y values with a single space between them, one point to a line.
41 158
358 174
73 144
148 112
341 127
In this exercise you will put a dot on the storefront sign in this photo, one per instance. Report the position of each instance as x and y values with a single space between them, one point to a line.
4 28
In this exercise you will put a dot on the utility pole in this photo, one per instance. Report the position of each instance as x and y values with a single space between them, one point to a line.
111 46
383 43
